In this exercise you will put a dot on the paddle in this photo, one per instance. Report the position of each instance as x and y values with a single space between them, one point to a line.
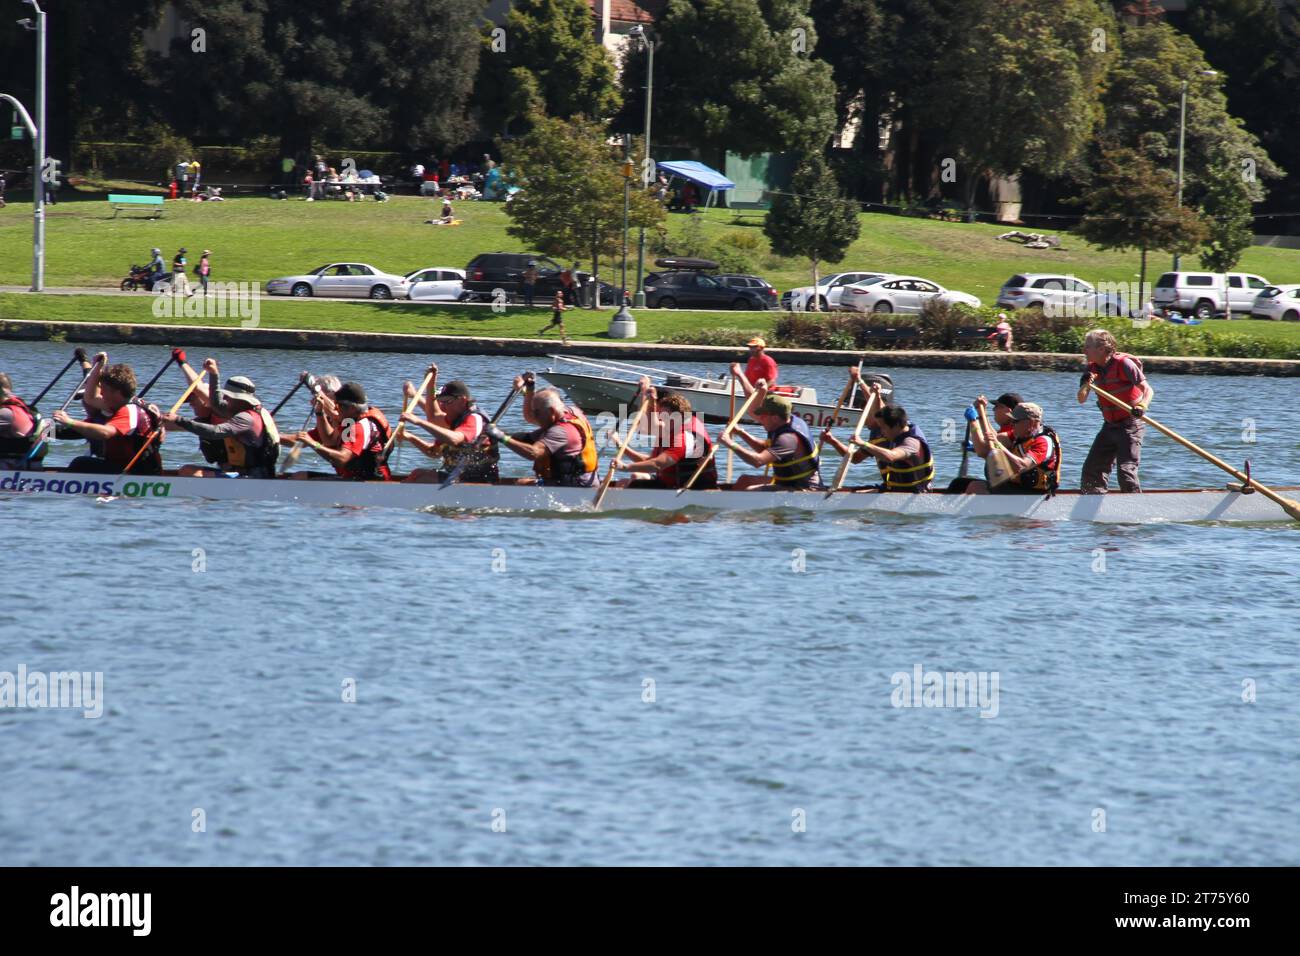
159 374
1000 469
401 426
78 356
713 449
731 411
1292 508
465 459
296 449
966 446
618 456
857 435
835 415
302 380
158 430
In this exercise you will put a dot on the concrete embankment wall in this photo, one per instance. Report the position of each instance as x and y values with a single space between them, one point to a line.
99 334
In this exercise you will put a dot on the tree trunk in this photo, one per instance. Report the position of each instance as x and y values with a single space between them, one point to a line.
816 295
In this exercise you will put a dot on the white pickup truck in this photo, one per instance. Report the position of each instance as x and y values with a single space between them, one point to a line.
1207 294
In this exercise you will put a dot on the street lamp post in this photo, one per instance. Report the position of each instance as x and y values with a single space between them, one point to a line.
1182 136
37 129
639 33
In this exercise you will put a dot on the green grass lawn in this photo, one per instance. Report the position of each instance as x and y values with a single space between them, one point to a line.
396 317
405 318
258 239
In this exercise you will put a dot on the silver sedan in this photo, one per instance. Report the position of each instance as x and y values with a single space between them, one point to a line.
349 280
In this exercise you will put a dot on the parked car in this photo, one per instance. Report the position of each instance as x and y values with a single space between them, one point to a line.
1039 290
830 289
751 282
354 280
695 290
1278 302
901 294
438 283
1207 294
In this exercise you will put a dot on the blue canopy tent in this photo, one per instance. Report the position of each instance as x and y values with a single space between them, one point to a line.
701 175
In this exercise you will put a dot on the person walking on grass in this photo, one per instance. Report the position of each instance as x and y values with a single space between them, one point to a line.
180 282
204 269
558 308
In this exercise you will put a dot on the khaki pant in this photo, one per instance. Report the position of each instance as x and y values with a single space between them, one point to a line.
180 283
1117 444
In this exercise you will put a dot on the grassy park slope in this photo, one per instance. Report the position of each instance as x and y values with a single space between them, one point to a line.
256 239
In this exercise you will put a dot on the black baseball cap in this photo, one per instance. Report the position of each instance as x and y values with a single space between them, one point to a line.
1008 400
454 389
351 392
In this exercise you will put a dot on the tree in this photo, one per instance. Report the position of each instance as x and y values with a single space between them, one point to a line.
1226 207
551 61
390 72
571 198
1133 204
1018 86
814 219
1143 88
738 75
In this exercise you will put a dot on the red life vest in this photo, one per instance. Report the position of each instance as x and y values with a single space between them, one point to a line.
21 446
120 449
1114 379
370 464
679 472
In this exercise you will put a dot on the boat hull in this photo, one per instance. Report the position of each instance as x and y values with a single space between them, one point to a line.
1152 506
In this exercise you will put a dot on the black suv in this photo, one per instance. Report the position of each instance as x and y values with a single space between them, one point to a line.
694 290
504 270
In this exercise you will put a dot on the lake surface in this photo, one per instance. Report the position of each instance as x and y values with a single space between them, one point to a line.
577 690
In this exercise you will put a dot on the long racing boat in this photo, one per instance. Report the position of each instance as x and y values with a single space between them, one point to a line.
1150 506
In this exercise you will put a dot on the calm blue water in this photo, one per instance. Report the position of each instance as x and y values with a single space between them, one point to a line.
500 666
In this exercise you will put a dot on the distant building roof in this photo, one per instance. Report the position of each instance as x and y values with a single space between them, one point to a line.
631 11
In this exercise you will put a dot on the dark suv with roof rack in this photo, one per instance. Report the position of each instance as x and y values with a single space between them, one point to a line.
504 270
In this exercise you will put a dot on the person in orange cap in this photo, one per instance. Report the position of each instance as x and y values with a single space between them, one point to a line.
760 365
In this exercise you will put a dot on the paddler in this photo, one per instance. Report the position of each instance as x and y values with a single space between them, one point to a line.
1033 449
459 430
110 394
363 433
788 448
247 441
902 454
1119 443
21 445
760 367
212 449
681 441
562 448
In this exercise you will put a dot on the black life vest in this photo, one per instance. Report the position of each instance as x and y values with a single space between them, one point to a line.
1044 477
370 464
119 450
482 454
900 476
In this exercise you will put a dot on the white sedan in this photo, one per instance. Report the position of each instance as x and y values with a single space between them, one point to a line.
437 283
900 294
352 280
1278 302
